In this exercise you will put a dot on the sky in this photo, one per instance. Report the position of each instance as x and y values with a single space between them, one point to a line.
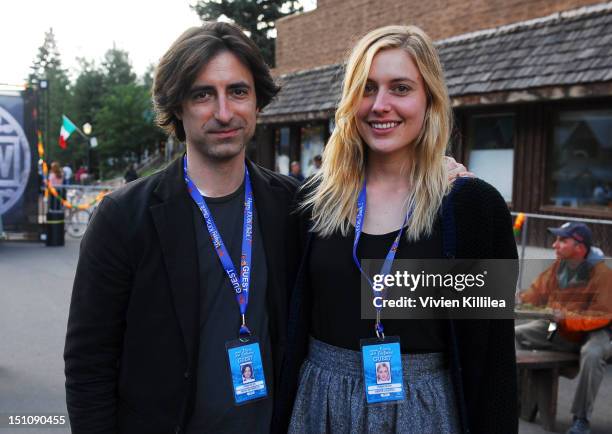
88 28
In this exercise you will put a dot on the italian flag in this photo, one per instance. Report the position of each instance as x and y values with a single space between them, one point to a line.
67 128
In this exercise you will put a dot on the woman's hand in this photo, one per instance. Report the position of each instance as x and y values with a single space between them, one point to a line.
456 170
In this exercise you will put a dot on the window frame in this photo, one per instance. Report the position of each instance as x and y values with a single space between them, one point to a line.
555 114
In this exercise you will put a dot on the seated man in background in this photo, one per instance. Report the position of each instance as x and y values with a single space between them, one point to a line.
578 288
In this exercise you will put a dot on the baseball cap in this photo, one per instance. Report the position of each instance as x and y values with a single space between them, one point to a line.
578 231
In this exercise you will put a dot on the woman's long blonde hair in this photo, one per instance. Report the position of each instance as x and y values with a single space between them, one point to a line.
334 200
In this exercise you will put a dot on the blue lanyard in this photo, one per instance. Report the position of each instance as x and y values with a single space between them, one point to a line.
240 284
386 268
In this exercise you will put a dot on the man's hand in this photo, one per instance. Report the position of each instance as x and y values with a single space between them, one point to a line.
456 170
558 315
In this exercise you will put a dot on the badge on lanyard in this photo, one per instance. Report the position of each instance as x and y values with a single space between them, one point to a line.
246 367
244 355
383 377
381 356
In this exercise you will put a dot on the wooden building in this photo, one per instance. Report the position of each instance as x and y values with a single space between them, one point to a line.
533 114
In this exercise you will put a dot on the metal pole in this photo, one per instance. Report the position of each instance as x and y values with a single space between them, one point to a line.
523 247
88 156
41 198
47 117
565 218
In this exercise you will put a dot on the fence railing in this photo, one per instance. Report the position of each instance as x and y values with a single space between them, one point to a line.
82 200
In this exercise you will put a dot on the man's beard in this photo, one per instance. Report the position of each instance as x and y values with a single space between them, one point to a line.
220 151
223 149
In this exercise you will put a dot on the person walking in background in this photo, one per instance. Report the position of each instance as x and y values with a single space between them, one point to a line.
131 174
296 171
80 175
314 166
317 161
86 175
578 288
67 170
56 176
56 179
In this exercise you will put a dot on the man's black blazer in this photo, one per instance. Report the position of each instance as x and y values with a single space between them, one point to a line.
133 330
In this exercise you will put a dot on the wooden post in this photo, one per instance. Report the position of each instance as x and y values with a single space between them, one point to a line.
546 382
264 143
295 142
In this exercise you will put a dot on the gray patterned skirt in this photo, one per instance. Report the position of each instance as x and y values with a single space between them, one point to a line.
331 397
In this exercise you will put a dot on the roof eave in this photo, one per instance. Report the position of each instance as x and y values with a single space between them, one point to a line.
546 93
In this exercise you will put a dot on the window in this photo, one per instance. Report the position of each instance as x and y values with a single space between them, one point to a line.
312 145
282 150
491 150
580 174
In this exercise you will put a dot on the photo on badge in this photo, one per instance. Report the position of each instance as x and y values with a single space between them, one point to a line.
246 370
382 371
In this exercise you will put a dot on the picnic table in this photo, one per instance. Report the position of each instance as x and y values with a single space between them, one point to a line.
521 313
538 375
539 382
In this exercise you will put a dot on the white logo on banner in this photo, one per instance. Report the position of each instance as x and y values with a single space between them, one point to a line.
14 161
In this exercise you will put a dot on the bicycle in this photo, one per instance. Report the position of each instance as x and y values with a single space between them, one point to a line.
77 221
76 218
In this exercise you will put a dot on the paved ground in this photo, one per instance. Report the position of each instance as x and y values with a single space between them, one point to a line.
601 422
35 286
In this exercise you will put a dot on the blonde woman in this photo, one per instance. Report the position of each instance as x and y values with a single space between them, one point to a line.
380 194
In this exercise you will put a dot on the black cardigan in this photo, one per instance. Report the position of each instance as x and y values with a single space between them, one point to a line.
483 362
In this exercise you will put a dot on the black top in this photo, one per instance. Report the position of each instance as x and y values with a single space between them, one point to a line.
215 410
336 280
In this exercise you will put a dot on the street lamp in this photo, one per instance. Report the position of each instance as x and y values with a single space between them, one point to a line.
87 128
43 83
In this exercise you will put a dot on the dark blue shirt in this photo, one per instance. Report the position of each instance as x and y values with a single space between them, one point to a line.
214 410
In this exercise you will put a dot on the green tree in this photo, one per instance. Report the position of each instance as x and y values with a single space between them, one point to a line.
109 96
125 127
147 77
87 94
256 17
55 99
117 68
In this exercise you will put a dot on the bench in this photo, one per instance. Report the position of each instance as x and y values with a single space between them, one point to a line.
539 380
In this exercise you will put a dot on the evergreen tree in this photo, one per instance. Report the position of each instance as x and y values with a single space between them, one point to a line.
256 17
54 100
87 94
117 68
